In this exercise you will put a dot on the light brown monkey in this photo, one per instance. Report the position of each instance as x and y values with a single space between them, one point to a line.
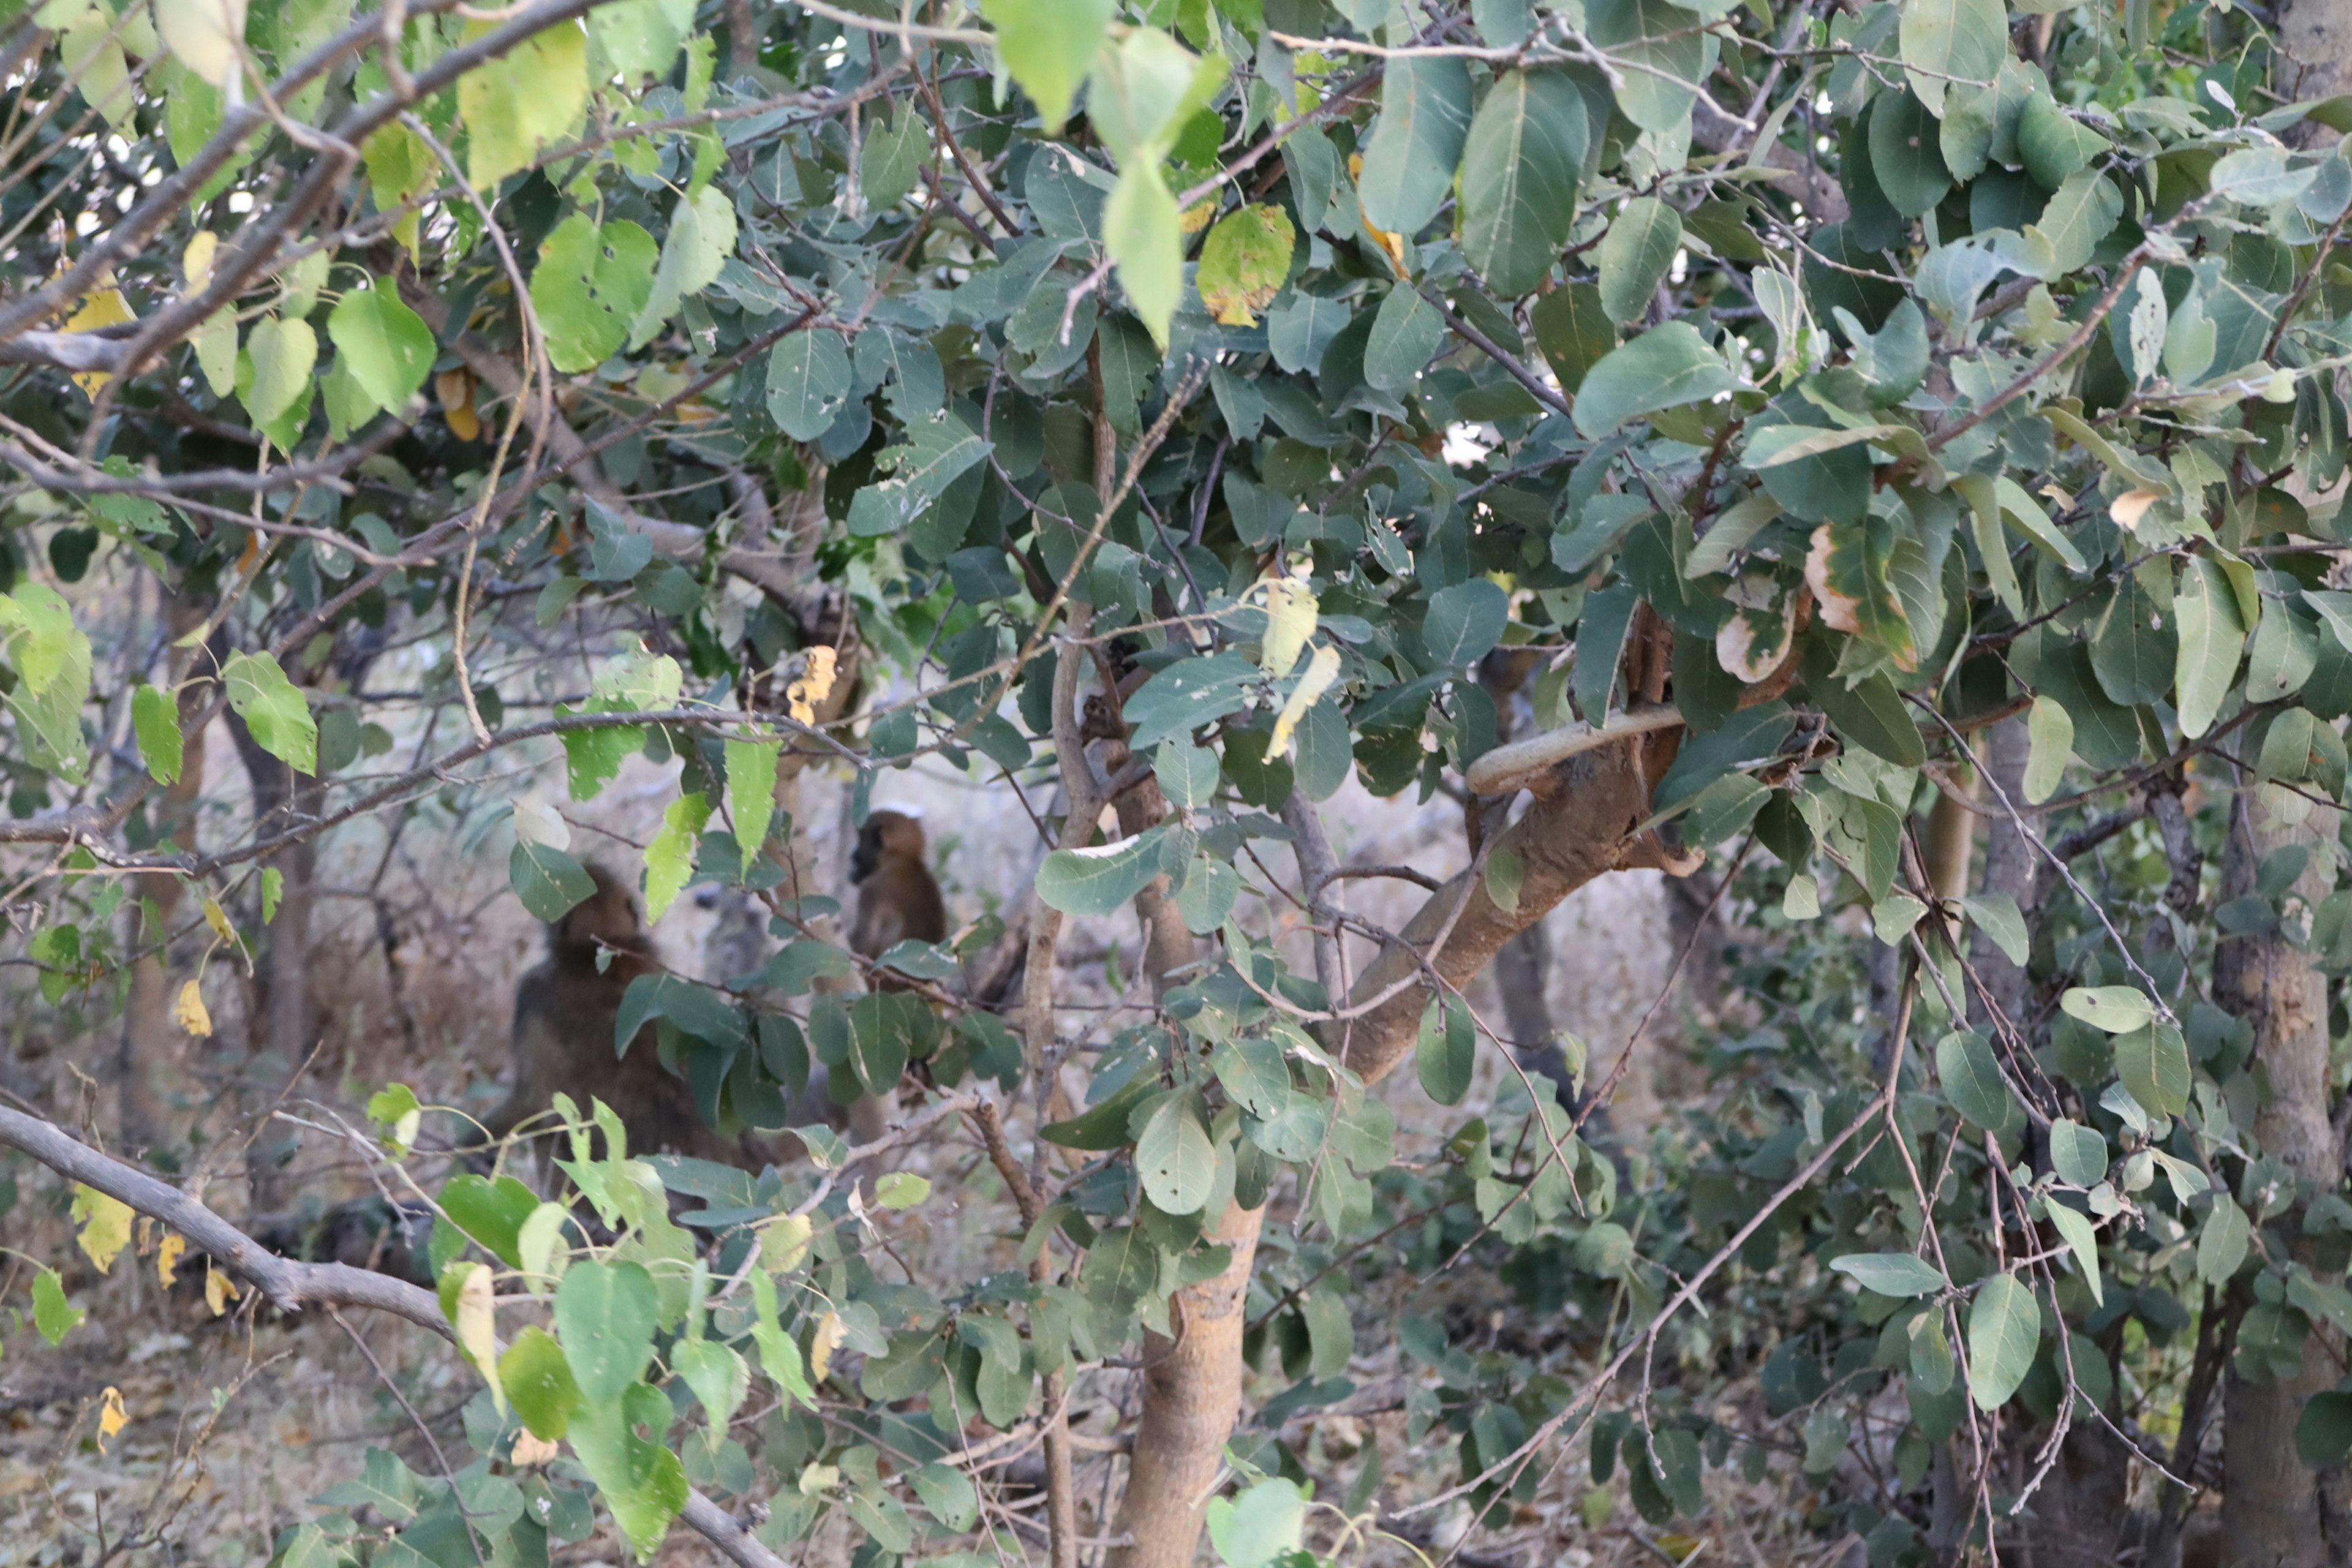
565 1012
898 900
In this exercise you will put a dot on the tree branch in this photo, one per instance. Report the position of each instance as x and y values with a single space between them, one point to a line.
292 1286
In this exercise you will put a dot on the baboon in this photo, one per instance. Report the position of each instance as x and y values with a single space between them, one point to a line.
565 1011
898 900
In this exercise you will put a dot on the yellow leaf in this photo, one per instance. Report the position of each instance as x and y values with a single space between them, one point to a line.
216 916
1290 612
105 1225
783 1242
531 1450
219 1290
2128 508
204 35
167 1259
814 687
822 1343
1321 671
189 1012
478 1332
111 1417
196 260
103 306
455 388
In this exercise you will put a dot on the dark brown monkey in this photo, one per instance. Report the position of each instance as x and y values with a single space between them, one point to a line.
565 1012
897 898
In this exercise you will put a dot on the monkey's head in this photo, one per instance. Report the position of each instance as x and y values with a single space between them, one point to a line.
885 832
608 917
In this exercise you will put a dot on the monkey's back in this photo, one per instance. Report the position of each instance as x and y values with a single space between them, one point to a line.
565 1018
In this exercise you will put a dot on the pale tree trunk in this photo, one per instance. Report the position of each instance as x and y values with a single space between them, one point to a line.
2275 1512
1581 825
2315 36
152 1046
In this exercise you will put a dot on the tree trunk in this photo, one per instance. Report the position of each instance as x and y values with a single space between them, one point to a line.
1581 825
285 1028
151 1044
2315 36
2276 1512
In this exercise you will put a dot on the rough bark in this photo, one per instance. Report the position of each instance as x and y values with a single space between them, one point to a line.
1581 825
2276 1512
2315 36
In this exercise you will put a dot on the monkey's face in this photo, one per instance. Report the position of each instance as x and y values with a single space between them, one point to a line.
885 832
609 916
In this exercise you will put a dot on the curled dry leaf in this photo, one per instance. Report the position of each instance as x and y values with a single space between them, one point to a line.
111 1417
167 1259
455 388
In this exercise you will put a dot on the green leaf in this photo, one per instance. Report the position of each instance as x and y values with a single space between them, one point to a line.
1447 1052
1144 234
1048 45
718 1377
539 1382
2135 648
1406 332
1972 1082
1410 159
284 353
2084 211
1093 881
1186 773
385 345
52 1314
1173 1156
2323 1433
947 1495
2004 1327
1906 153
1665 367
2211 637
2050 745
1465 621
669 857
2153 1062
1997 916
272 708
2082 1240
1941 39
528 98
808 383
890 164
751 793
1254 1073
548 881
2054 143
491 1213
1890 1273
1262 1525
1635 255
1574 331
901 1190
1243 263
2222 1241
155 716
605 1314
1520 169
2078 1153
1187 694
701 238
1330 1333
589 285
1144 88
639 38
2117 1009
1662 55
